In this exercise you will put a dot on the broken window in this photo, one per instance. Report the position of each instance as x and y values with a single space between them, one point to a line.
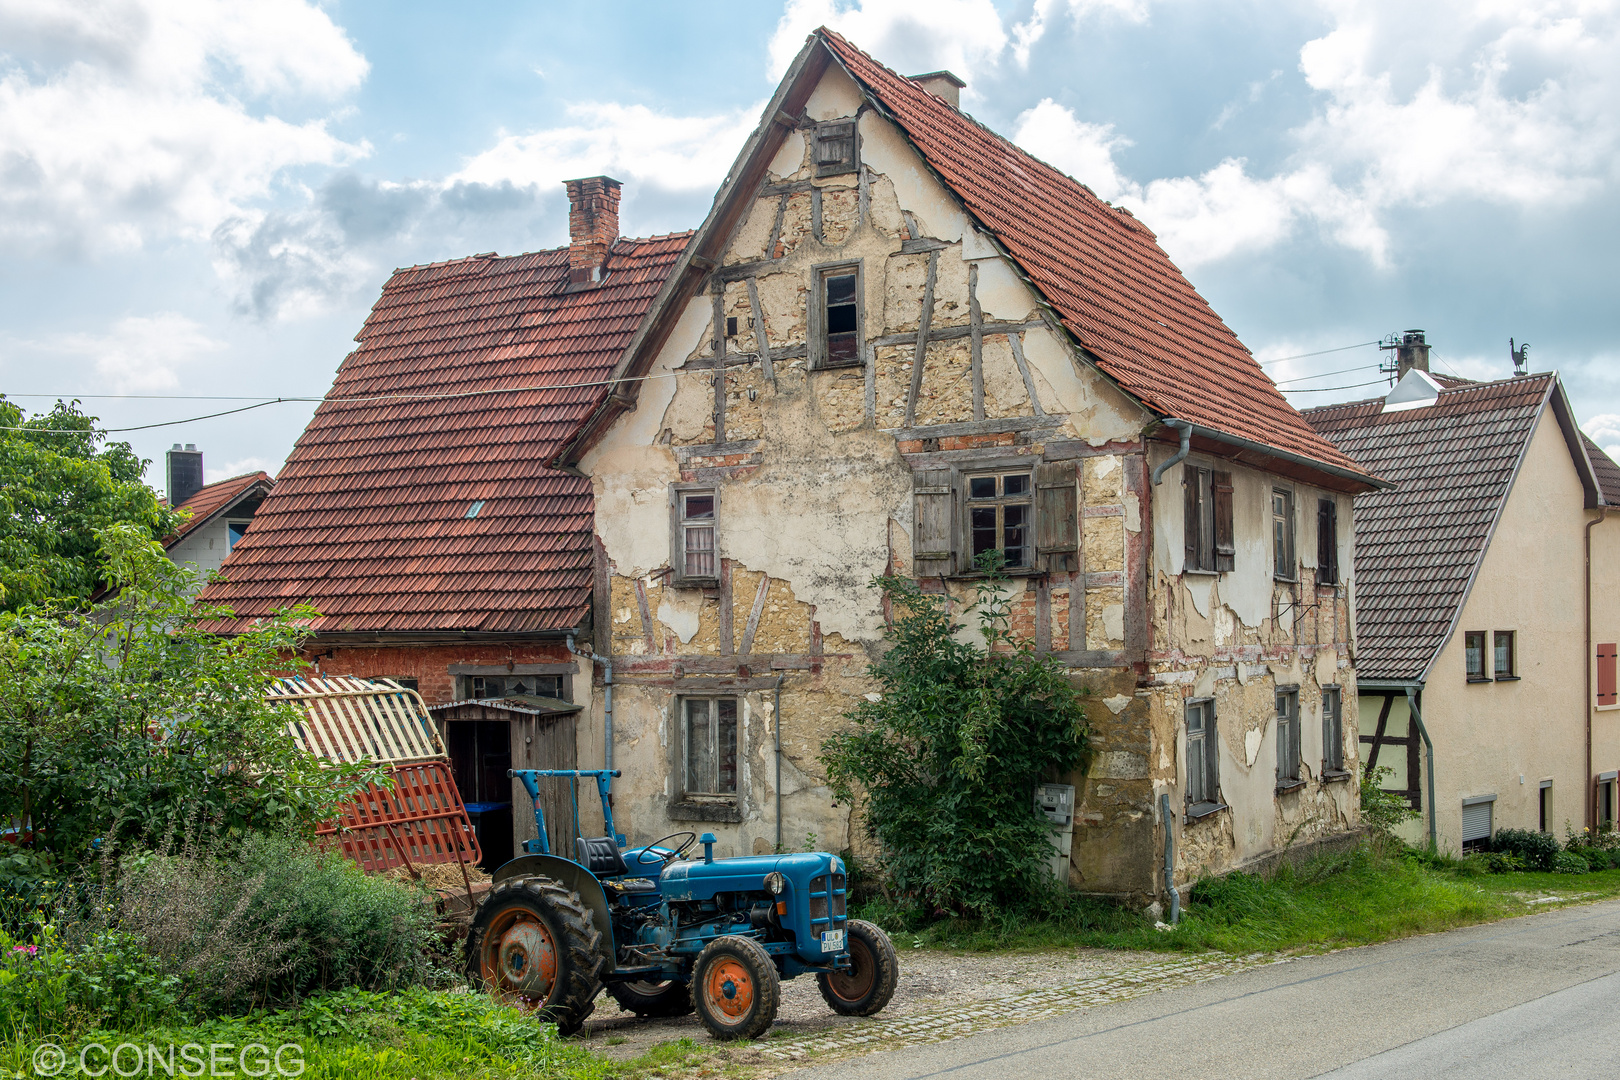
694 559
1282 534
1000 512
1288 738
835 148
1203 776
710 742
1327 542
1208 519
481 687
1332 731
836 328
1474 655
1506 666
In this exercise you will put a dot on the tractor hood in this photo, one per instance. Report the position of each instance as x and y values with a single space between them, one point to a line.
699 880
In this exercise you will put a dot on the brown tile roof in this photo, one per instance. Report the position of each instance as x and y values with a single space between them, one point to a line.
212 498
372 518
1607 472
1417 546
1102 270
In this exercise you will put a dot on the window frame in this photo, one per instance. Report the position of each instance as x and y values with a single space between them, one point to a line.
1512 637
1207 782
1544 806
1000 502
1475 675
819 274
1289 521
235 533
1214 551
677 535
835 128
683 750
1288 741
1327 541
470 684
1333 733
1478 842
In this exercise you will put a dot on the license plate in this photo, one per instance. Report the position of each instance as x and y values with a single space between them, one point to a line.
832 941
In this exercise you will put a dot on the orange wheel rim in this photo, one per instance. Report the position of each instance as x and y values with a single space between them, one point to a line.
730 989
855 983
519 956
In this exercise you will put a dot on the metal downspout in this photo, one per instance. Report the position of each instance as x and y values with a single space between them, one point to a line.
1186 444
1586 601
1428 744
607 701
1170 860
776 722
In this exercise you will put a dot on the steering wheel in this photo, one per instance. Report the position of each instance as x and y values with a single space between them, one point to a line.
641 856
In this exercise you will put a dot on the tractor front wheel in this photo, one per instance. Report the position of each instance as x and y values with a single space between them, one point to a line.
653 998
736 988
868 983
533 942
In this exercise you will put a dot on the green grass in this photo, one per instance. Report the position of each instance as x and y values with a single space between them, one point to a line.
1328 902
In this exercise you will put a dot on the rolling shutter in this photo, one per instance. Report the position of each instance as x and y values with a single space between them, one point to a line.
1606 690
1476 821
1225 550
932 546
1057 521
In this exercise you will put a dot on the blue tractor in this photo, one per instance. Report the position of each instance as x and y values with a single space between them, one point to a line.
666 932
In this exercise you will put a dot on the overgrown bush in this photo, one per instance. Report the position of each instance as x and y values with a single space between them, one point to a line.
1568 862
48 985
948 756
271 920
120 723
1382 811
1535 850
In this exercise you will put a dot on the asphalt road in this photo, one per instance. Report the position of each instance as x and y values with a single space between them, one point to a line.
1532 997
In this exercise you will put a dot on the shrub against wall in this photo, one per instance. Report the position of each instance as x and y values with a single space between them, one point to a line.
948 758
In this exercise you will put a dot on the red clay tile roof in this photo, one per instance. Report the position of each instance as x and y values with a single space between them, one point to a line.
1607 472
212 498
1418 545
1101 269
372 518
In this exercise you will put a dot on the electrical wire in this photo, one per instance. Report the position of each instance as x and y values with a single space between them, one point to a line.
1330 389
1324 352
1325 374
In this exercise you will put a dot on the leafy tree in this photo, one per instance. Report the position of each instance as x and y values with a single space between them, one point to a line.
58 485
128 723
948 758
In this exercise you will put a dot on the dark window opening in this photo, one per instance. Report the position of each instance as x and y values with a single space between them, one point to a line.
696 531
234 531
731 326
480 755
1545 806
1327 542
1474 655
999 517
507 686
842 319
410 684
710 745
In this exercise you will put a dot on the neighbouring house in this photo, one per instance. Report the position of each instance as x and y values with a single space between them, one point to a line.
1488 602
220 512
896 342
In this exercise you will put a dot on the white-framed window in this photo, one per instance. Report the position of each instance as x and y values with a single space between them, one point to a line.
1282 534
1203 759
1505 653
694 553
1332 730
1288 752
1001 517
709 745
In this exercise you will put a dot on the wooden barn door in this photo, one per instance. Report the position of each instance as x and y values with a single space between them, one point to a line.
547 742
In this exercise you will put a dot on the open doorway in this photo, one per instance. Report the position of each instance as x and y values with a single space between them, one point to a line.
480 755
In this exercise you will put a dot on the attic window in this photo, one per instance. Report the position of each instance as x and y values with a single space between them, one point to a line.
835 148
472 511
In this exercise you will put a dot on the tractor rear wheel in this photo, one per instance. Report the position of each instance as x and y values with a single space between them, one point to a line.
868 984
533 942
653 998
736 988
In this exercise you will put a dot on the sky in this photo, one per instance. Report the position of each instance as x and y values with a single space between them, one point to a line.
203 199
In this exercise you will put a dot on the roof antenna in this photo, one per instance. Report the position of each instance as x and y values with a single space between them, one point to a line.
1521 357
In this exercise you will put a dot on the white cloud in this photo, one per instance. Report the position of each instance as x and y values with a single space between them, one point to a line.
1084 151
1604 429
1026 34
961 36
127 120
139 353
240 467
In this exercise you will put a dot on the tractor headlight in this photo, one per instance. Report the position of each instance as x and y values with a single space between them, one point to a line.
775 883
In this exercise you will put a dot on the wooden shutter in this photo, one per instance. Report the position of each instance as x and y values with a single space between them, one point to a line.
1327 542
1057 521
1225 550
1190 516
931 545
1606 675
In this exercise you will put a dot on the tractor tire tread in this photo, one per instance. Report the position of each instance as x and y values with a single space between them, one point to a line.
767 987
674 1000
887 962
581 969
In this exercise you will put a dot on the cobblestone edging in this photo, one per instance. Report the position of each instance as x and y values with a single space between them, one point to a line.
940 1025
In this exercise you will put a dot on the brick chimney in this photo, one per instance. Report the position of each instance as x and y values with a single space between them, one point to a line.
943 85
1412 352
593 225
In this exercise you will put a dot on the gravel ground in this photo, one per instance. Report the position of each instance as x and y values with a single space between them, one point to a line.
929 981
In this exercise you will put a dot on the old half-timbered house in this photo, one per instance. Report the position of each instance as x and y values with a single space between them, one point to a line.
899 341
1487 606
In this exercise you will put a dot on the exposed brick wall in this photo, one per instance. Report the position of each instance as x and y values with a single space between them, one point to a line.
430 664
593 225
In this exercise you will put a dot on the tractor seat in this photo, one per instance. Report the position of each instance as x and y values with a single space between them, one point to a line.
600 855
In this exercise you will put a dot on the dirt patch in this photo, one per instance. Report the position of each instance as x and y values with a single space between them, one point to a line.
929 981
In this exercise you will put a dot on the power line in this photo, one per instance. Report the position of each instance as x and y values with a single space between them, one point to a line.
1325 374
1324 352
1329 389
